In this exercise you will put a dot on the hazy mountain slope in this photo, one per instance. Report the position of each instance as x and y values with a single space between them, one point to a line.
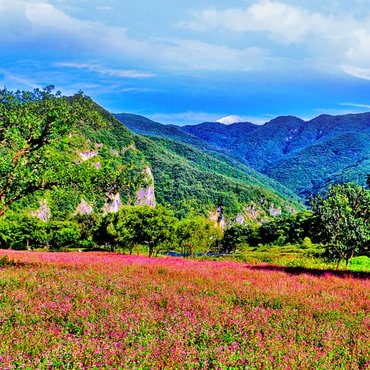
333 160
220 135
144 126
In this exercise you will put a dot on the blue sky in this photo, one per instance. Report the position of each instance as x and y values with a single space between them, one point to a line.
188 61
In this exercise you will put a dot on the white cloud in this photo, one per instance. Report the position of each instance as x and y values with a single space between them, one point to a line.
51 30
112 72
44 26
363 73
228 120
284 22
326 40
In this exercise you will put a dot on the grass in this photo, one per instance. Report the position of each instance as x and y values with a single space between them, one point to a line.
103 310
297 256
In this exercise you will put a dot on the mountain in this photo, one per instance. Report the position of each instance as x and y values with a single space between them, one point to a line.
62 156
190 181
192 176
305 156
144 126
66 155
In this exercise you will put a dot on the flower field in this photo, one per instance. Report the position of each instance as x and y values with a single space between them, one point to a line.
111 311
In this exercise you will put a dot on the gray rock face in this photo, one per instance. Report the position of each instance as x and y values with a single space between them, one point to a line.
83 208
43 213
113 204
274 212
88 154
146 195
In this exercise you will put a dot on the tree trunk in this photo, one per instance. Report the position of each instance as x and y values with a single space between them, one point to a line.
339 262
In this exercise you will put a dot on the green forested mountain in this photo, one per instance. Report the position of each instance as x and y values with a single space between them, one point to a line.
60 155
305 156
63 156
191 181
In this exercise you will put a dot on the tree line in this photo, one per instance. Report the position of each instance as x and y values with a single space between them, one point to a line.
338 221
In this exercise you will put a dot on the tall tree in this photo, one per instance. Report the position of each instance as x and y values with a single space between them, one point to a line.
152 227
31 122
197 235
344 221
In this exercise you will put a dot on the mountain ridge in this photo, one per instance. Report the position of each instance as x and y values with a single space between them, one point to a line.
285 144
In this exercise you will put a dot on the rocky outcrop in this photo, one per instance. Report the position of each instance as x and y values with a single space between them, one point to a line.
218 218
274 212
145 195
114 152
130 147
83 208
113 204
88 154
239 219
43 213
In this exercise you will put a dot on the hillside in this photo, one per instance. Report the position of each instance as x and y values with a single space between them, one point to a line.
305 156
62 156
189 180
65 155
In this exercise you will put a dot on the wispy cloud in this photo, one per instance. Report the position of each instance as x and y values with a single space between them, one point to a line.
17 80
206 56
363 73
112 72
356 105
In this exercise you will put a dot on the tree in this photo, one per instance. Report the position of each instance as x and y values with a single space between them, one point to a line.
63 234
132 225
197 234
88 225
235 236
344 221
31 125
22 231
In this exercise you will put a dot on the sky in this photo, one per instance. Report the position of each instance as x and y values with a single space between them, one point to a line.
189 61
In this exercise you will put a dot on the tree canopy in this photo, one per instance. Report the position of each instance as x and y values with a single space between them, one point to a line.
31 124
344 221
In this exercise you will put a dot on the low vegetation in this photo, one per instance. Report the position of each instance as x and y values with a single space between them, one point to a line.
100 310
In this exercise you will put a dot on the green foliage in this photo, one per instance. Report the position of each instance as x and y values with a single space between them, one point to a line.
197 235
289 229
63 149
31 123
22 231
132 225
236 236
188 180
344 221
63 234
